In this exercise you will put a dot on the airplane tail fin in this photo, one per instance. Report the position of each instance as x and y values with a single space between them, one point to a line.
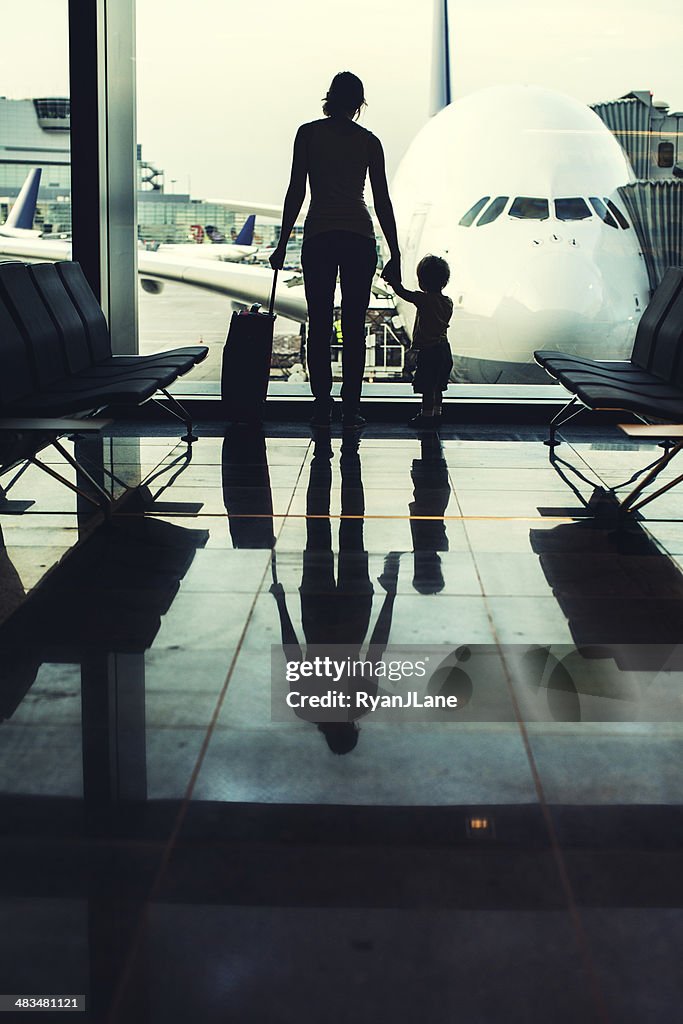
441 60
24 210
246 235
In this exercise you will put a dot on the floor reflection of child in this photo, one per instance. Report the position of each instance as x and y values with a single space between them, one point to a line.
431 494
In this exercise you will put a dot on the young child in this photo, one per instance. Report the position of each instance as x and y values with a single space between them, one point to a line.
432 317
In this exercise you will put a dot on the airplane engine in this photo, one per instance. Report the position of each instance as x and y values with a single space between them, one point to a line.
151 286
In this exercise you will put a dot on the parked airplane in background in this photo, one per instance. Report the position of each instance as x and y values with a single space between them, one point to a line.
19 223
218 246
517 187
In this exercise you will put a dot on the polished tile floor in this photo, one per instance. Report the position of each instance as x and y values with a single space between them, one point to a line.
178 845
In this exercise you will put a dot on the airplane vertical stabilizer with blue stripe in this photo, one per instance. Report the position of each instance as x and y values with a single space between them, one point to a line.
22 214
246 235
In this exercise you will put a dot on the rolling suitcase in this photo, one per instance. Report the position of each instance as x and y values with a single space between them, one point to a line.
246 362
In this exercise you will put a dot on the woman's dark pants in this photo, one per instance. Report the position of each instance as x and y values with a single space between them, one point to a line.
355 258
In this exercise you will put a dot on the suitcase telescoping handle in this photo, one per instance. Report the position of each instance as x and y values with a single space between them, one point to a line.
272 294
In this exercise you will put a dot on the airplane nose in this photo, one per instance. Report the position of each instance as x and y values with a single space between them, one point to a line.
565 283
564 301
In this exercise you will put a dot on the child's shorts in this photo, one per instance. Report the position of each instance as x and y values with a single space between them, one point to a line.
433 369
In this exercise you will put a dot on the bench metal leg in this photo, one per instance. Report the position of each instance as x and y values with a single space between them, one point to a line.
104 500
101 499
180 413
566 413
630 502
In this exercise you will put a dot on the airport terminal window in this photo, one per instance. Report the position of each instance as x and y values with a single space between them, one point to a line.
494 210
572 209
468 219
616 212
665 154
34 127
602 211
529 208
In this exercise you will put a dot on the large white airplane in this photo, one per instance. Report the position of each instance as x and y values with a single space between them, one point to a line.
517 187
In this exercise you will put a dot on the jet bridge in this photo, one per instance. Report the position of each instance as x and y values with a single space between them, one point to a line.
656 208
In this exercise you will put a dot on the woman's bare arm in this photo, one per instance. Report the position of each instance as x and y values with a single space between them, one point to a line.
294 198
383 207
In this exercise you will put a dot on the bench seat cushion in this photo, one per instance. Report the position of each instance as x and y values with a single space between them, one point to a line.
558 362
183 358
550 355
651 401
60 403
100 376
639 381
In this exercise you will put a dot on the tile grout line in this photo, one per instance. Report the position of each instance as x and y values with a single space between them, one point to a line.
136 942
581 939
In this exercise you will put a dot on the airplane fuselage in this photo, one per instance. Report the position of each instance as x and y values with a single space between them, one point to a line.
228 253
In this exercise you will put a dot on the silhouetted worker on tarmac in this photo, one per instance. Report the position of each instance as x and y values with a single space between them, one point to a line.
336 154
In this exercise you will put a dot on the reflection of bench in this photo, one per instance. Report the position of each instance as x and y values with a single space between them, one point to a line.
108 596
56 362
621 595
649 384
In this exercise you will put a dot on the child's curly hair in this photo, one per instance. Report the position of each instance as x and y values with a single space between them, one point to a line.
433 273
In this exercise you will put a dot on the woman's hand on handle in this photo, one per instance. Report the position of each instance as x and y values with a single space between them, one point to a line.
277 257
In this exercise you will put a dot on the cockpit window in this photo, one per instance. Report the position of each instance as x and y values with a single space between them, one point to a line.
602 211
468 219
572 209
616 212
493 211
528 208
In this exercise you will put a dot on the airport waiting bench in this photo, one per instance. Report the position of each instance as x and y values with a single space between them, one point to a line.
57 370
649 384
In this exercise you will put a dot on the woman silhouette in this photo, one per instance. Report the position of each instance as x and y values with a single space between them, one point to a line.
335 154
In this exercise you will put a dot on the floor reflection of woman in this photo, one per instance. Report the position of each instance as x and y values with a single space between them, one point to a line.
336 613
336 154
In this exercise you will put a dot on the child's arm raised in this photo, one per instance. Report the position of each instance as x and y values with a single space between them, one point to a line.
414 297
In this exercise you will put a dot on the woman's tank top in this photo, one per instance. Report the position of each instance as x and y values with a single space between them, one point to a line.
338 153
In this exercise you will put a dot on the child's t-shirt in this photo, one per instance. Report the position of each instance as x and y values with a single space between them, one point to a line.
432 319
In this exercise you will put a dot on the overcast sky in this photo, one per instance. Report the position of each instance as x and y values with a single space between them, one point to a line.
222 84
